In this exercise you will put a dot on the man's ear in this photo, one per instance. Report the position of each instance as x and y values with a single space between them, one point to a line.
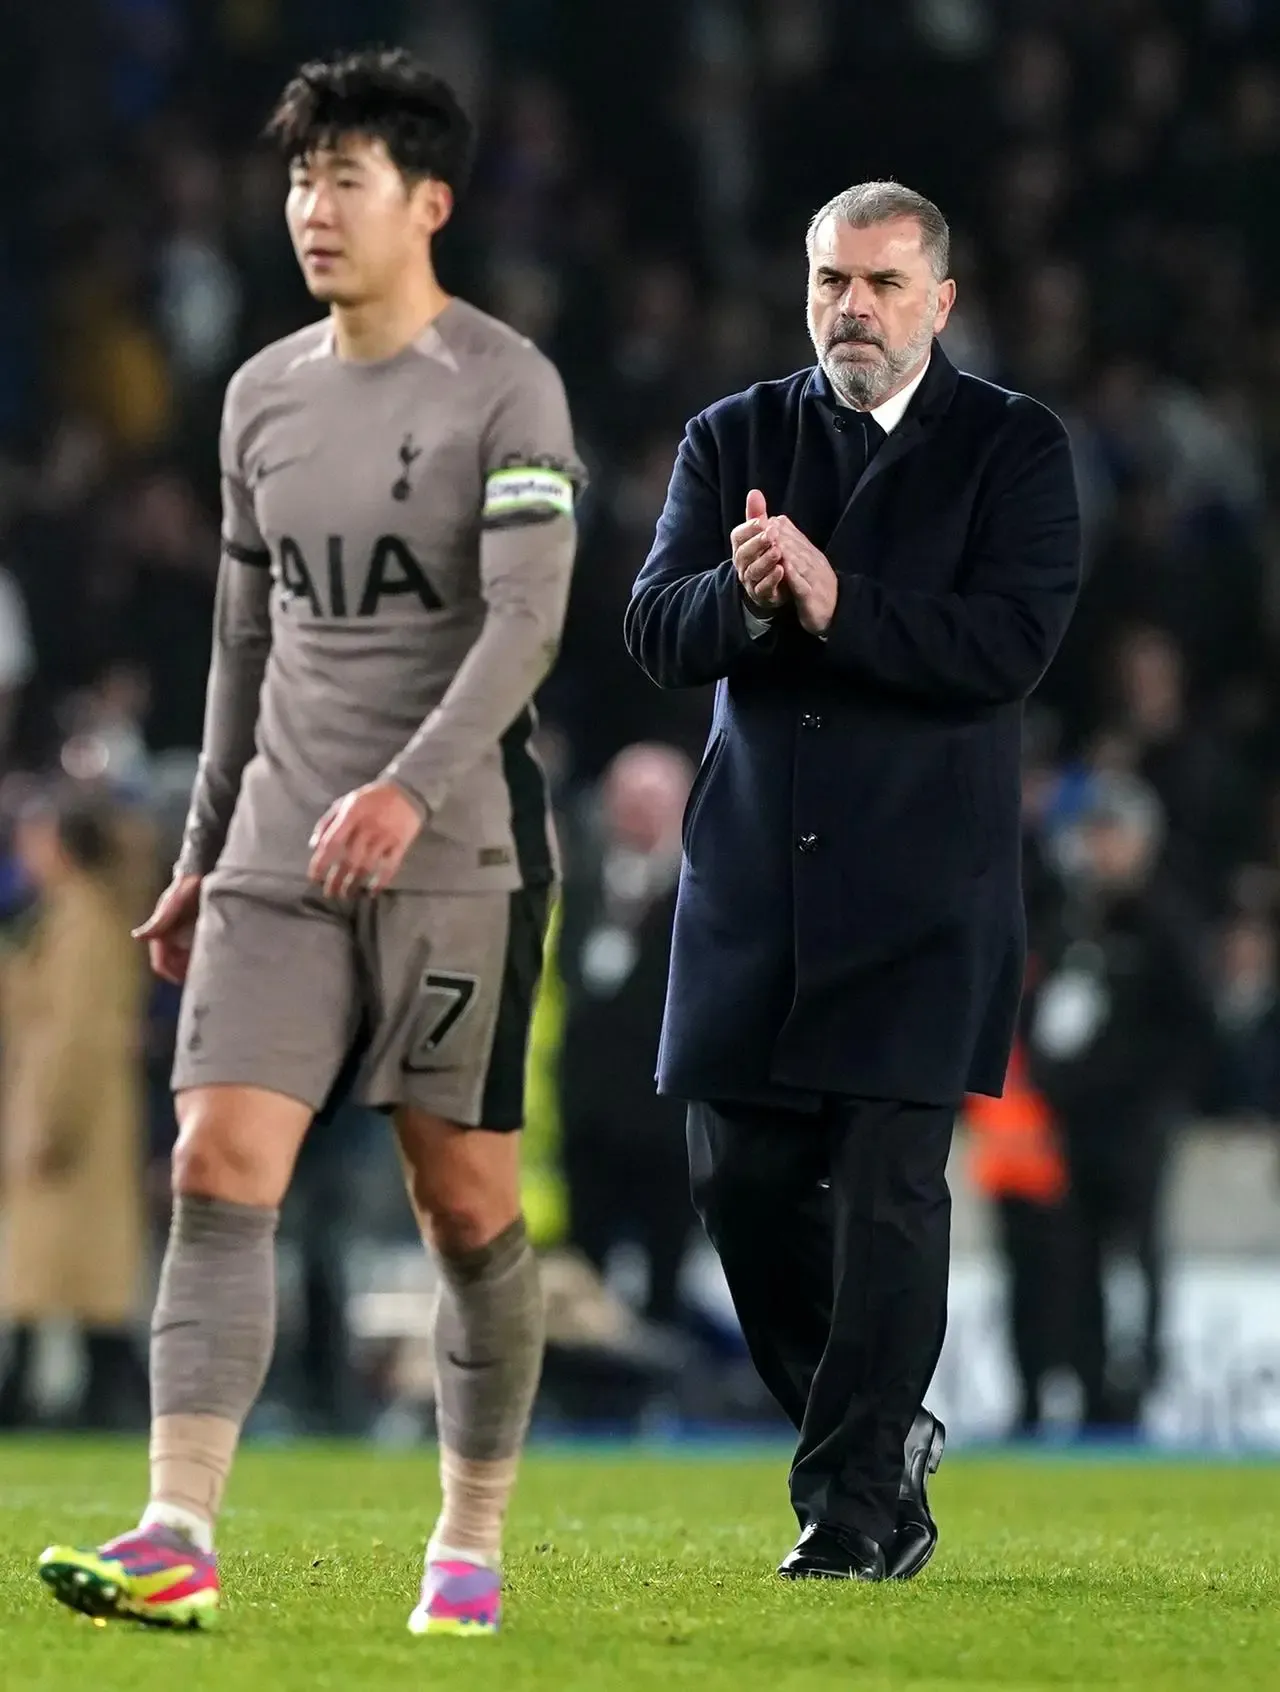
946 300
432 202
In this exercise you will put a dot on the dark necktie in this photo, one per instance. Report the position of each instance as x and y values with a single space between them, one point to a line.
862 437
873 435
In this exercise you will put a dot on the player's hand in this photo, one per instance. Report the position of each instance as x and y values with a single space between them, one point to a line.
171 928
814 585
757 559
360 842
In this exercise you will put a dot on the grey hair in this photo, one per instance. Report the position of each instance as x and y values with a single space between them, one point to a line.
868 203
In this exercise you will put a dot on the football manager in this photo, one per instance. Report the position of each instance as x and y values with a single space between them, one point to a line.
874 561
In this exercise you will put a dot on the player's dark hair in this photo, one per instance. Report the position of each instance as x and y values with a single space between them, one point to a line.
386 95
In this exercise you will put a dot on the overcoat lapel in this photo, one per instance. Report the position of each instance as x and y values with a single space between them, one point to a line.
928 406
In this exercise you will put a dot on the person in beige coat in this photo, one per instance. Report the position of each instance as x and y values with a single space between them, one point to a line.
71 1101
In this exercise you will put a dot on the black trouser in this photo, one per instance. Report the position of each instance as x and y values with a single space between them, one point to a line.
834 1232
320 1379
1032 1239
115 1387
16 1407
1116 1162
624 1184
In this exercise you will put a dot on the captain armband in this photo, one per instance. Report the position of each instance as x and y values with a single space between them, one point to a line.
526 493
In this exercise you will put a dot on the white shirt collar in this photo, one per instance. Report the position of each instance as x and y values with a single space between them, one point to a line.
891 413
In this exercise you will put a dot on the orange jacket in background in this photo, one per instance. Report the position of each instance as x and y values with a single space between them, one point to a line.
1014 1151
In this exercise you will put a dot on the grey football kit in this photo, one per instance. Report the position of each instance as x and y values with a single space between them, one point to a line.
398 539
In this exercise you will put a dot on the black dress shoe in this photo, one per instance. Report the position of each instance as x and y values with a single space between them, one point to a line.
916 1536
827 1552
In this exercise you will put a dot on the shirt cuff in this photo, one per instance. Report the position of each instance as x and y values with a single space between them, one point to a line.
756 626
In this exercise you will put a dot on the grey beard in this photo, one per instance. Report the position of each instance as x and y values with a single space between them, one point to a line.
865 385
859 385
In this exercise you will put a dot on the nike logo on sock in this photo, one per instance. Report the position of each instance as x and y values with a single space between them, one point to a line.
469 1363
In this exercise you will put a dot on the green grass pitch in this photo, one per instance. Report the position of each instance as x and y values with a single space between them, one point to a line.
643 1571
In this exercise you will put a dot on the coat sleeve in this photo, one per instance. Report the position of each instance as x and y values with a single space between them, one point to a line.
241 648
528 538
685 625
59 1058
990 641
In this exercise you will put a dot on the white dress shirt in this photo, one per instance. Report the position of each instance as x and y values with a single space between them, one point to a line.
888 415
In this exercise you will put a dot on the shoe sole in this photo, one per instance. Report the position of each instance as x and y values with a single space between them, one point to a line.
937 1445
450 1628
95 1593
825 1574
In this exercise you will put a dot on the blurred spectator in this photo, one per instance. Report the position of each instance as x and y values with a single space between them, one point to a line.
1180 755
52 540
1109 168
602 701
104 726
110 363
71 1106
153 602
315 1378
654 351
623 1147
1245 1080
198 292
1119 1035
1016 1160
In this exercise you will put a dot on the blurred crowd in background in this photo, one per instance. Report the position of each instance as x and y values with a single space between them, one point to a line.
1110 169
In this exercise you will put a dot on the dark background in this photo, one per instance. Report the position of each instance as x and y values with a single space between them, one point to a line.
1111 170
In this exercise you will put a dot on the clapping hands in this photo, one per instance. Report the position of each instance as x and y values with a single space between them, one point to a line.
776 564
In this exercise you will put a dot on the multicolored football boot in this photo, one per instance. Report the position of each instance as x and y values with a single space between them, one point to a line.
152 1575
459 1598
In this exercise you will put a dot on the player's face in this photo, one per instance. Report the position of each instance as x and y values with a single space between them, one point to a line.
874 306
357 228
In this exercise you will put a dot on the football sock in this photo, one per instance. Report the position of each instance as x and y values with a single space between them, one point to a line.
190 1523
211 1341
488 1352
